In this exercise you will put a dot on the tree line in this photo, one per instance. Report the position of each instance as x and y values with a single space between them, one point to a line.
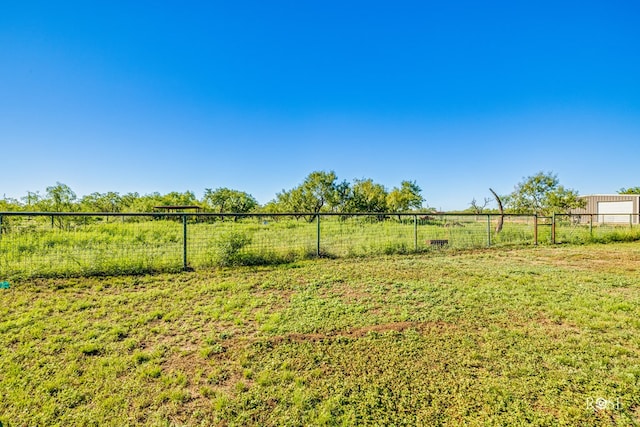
320 191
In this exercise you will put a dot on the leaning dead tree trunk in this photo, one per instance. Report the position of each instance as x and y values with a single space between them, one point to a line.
501 219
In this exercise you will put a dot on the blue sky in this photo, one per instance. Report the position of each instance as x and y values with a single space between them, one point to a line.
459 96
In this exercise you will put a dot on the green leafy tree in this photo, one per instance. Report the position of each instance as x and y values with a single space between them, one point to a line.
630 190
134 202
342 196
367 196
317 193
142 203
283 202
225 200
32 201
272 207
541 194
102 202
146 203
129 201
299 200
60 198
175 198
562 200
405 198
8 204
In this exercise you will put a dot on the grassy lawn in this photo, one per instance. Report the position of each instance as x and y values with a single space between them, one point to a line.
525 336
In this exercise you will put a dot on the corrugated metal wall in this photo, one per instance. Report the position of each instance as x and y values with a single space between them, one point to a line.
593 200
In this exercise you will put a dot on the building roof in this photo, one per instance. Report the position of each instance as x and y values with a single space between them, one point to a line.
609 195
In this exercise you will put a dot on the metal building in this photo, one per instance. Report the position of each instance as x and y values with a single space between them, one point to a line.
612 208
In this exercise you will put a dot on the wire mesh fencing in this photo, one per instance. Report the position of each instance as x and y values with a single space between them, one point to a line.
61 245
596 228
75 244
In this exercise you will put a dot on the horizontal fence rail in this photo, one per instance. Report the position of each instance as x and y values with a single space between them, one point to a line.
36 244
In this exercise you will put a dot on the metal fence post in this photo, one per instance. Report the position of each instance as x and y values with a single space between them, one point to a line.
415 233
591 225
488 230
535 230
553 228
184 243
0 226
318 235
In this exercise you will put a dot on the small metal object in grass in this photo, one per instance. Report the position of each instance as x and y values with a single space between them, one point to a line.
439 243
4 285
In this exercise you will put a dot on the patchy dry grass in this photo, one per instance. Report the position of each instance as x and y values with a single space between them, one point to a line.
531 336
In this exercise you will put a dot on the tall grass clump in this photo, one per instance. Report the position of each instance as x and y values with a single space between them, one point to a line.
617 235
227 248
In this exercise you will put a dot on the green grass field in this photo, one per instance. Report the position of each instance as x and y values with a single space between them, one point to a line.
504 336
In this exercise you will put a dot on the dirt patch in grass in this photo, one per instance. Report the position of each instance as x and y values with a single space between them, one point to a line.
612 258
547 322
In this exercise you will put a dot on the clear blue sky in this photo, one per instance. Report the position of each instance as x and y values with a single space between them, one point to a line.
459 96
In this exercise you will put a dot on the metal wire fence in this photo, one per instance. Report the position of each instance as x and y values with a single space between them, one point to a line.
580 228
75 244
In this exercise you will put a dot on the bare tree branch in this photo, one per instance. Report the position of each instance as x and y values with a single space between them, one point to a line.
501 220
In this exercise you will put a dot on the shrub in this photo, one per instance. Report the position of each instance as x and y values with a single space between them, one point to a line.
227 247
